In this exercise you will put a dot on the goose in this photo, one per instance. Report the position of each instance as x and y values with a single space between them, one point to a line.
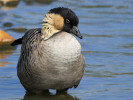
51 56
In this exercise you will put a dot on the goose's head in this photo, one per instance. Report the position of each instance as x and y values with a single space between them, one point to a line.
60 19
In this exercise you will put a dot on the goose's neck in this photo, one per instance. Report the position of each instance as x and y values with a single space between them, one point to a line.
48 27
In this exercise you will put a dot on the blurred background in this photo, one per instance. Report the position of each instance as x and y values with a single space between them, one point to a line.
107 27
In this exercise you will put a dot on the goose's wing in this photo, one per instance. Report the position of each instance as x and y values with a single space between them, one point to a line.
82 61
28 36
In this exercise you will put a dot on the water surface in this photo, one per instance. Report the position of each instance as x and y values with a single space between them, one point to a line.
107 27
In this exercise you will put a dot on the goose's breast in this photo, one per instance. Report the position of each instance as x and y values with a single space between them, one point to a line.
60 61
62 48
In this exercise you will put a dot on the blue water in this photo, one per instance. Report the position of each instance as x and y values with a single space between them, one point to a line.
107 27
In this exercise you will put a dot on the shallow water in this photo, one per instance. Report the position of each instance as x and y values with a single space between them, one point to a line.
107 27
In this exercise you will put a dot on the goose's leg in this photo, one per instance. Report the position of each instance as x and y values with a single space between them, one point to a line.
61 91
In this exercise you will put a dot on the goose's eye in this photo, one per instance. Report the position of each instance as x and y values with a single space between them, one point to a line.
67 21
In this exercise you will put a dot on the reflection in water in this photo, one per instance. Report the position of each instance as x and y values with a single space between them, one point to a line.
19 29
49 97
44 1
5 50
29 2
8 24
9 4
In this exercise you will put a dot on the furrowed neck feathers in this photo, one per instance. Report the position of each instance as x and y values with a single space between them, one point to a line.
52 23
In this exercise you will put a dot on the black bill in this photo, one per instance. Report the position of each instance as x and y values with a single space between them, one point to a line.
76 32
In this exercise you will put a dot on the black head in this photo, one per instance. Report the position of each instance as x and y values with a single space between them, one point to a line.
70 20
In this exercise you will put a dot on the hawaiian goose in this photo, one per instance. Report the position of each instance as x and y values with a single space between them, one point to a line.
51 57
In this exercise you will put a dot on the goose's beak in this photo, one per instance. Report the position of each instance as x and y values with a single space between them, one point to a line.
76 32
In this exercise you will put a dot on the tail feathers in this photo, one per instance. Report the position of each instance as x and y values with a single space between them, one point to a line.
17 42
